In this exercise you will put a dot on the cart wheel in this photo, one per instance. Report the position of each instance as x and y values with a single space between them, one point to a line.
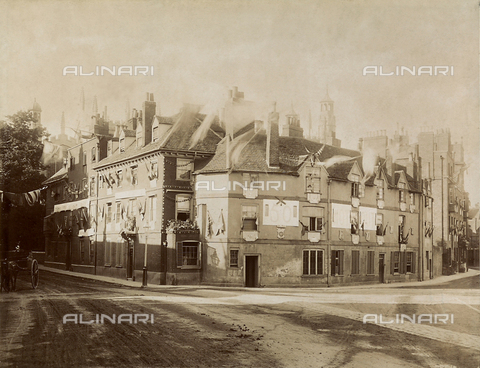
34 273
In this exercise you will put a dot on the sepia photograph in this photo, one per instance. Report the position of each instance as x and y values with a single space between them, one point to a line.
239 183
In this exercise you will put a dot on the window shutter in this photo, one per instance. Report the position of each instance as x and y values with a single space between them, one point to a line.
402 262
332 263
413 262
392 262
199 254
179 254
340 260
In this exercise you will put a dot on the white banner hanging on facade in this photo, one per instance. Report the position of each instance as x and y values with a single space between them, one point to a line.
280 213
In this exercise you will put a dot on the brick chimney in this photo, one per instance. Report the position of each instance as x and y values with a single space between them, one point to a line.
149 109
272 149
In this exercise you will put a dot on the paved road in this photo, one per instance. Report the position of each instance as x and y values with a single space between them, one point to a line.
226 327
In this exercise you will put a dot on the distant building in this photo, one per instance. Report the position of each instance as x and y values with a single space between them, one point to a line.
323 129
473 236
438 158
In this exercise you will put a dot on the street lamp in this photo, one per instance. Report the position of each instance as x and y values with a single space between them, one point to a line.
144 278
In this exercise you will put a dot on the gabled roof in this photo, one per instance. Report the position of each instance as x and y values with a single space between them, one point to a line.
341 170
59 175
293 152
178 140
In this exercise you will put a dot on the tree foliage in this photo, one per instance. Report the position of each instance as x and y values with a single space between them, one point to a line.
21 150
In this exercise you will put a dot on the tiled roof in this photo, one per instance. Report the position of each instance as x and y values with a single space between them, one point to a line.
293 152
340 170
129 133
59 175
178 140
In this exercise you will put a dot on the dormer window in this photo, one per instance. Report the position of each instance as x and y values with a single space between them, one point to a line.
356 186
380 190
122 144
94 154
312 179
401 192
155 133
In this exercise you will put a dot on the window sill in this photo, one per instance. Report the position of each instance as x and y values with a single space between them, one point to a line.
189 267
107 265
338 275
309 276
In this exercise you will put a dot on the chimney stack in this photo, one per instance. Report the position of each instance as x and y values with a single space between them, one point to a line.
272 148
147 116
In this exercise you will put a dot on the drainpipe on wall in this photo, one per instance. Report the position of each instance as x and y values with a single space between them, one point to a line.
96 220
329 227
421 235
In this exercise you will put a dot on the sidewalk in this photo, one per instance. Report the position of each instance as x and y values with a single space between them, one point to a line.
112 280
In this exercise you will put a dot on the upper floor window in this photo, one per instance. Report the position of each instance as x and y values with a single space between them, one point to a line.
153 170
182 203
119 175
249 218
314 218
312 179
134 175
92 186
354 222
84 158
94 154
184 168
109 212
379 224
84 188
380 189
358 190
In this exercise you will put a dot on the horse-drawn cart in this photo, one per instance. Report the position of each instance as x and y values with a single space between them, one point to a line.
15 261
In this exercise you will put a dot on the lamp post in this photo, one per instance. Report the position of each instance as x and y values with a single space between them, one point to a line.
144 278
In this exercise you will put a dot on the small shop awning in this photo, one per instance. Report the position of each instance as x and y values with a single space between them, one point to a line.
70 206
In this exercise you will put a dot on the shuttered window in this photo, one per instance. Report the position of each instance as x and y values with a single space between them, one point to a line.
355 262
337 262
410 262
370 262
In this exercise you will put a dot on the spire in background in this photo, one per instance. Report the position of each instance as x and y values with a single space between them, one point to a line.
82 100
95 106
62 124
127 110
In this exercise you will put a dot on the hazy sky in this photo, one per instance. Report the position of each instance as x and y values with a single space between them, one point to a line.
284 51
